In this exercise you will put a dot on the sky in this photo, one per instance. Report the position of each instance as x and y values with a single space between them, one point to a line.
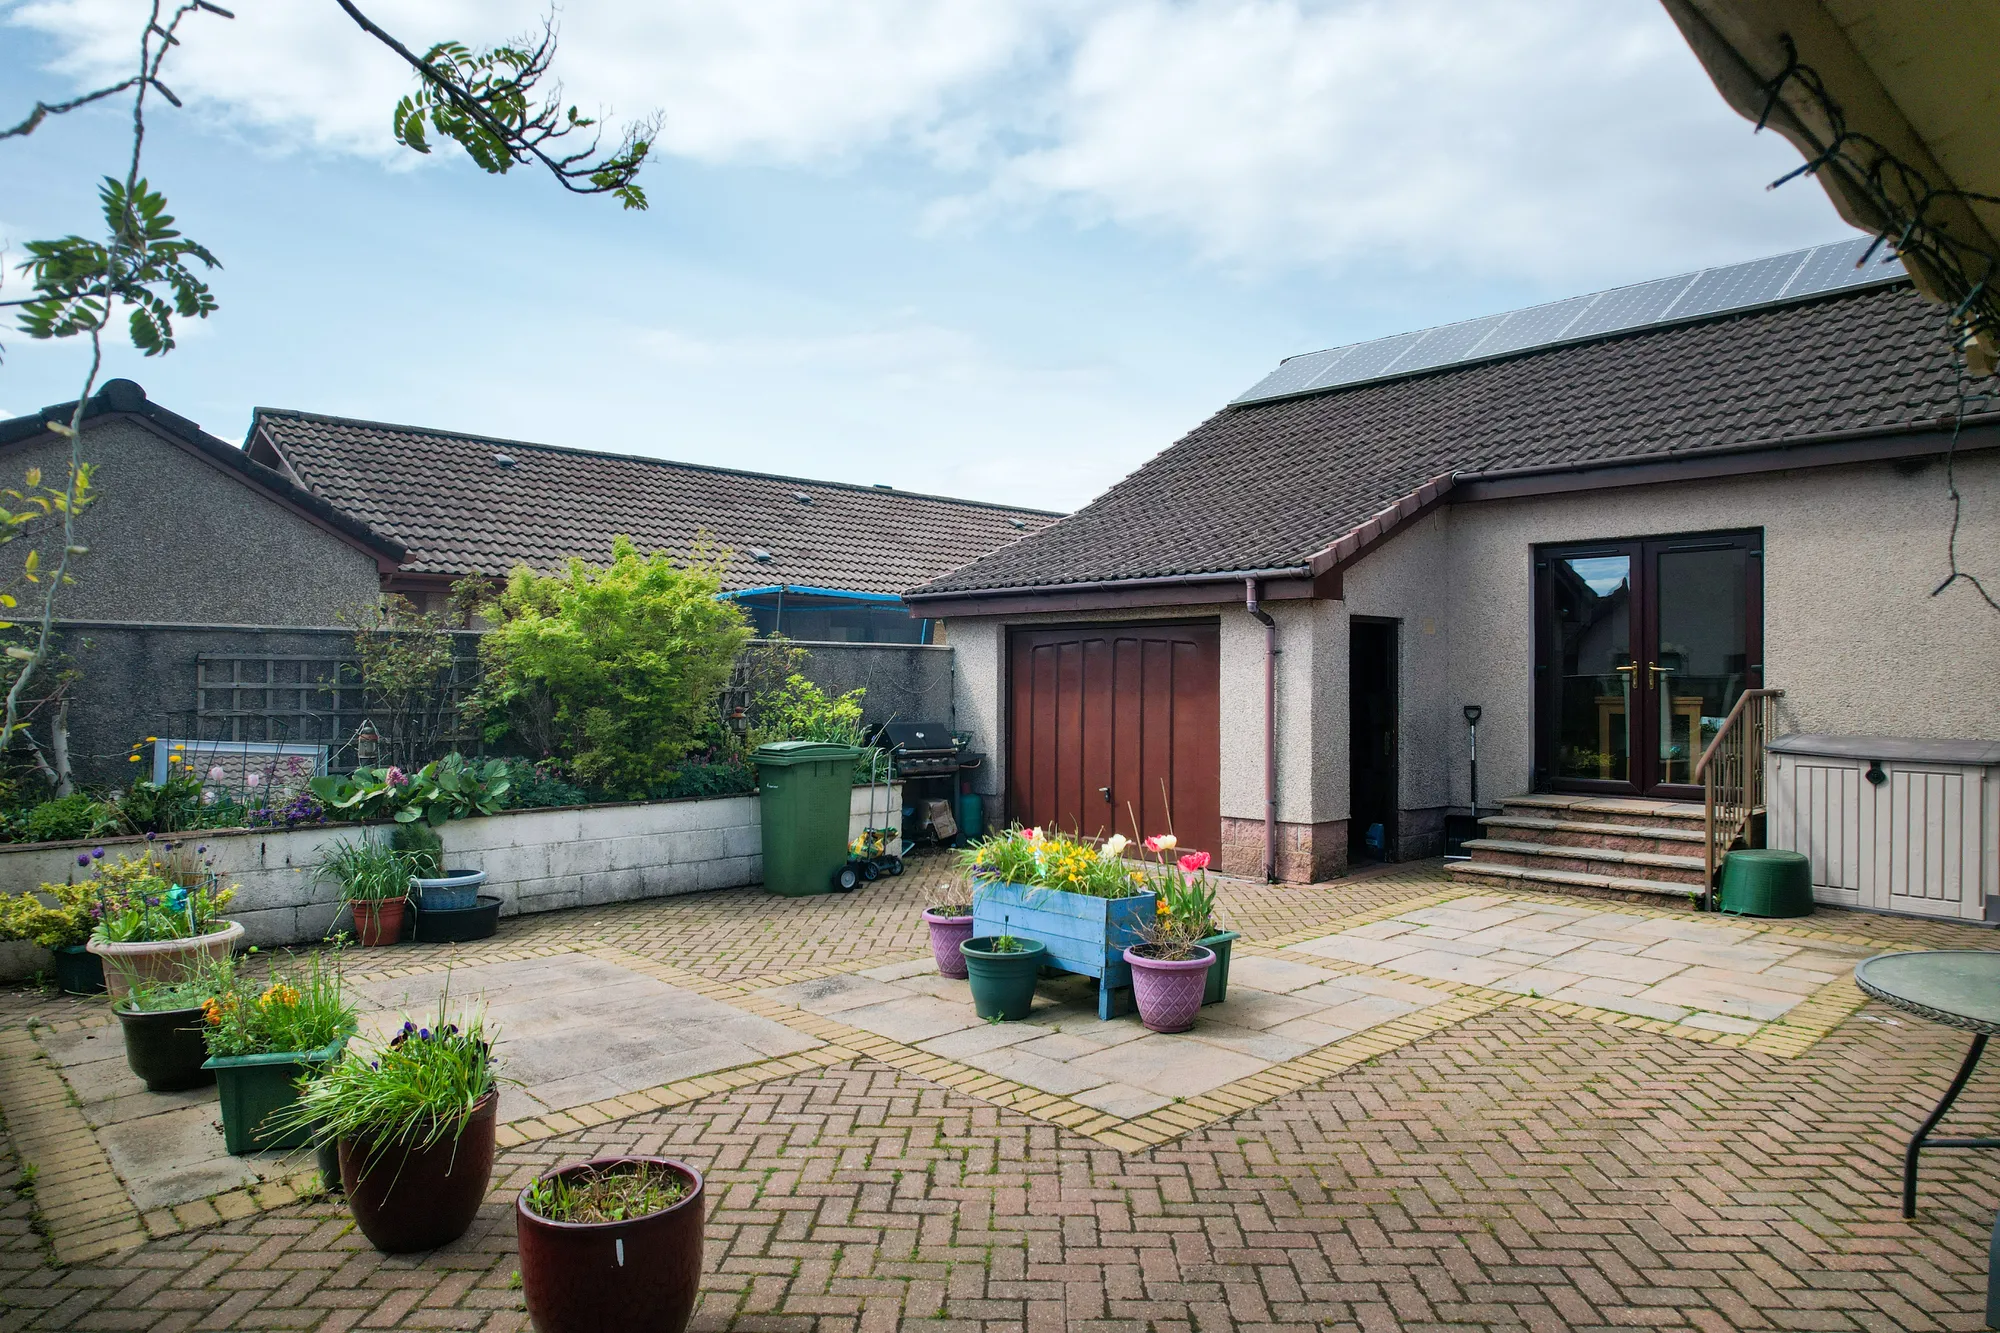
1003 249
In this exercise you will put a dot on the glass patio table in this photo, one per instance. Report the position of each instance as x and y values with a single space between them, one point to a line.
1959 988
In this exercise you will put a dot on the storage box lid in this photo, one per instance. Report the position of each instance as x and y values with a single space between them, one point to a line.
1889 749
782 753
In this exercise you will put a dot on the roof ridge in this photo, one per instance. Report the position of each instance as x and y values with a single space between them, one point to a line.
258 414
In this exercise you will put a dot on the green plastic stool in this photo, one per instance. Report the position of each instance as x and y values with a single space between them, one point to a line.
1765 882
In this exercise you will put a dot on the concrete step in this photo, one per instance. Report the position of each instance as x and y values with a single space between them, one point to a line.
1559 881
1590 833
1626 810
1588 860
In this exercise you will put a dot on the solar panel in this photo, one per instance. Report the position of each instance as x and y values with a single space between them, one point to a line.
1758 282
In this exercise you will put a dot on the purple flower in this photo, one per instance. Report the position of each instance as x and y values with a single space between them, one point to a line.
423 1034
151 836
201 850
97 853
83 859
152 902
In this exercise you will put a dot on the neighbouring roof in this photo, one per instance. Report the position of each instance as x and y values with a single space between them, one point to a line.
469 504
124 397
1269 485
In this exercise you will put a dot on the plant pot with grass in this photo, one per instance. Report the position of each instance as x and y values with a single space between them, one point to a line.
415 1122
264 1037
951 926
612 1243
158 915
374 880
165 1029
1002 970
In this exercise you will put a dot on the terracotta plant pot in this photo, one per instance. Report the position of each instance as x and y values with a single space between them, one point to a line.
378 921
1169 992
165 1047
947 933
407 1199
640 1276
160 960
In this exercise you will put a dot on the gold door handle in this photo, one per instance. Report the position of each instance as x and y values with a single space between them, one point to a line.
1658 671
1633 667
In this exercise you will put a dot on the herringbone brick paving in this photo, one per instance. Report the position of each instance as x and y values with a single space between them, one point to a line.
1523 1170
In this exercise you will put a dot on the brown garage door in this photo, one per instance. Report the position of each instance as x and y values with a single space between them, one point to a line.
1109 721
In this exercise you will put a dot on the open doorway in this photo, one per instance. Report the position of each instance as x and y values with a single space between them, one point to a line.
1371 740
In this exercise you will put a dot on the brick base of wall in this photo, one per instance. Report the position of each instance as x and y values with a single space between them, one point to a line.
1420 834
1307 853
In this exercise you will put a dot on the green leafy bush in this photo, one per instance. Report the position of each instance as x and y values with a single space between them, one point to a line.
616 670
68 817
64 922
453 787
541 786
802 711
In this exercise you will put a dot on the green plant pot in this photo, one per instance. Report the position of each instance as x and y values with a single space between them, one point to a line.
1218 976
1003 984
78 971
164 1047
253 1087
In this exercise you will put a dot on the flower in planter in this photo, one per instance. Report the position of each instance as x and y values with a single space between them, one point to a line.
1193 861
1114 846
1164 842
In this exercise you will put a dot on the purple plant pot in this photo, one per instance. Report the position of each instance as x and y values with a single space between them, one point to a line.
947 933
1169 994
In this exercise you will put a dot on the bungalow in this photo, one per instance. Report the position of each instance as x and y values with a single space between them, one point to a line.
1593 525
814 560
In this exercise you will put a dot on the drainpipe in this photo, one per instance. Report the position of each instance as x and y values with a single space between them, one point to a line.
1270 729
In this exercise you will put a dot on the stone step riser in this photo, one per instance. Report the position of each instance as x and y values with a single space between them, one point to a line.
1486 876
1617 842
1554 860
1642 818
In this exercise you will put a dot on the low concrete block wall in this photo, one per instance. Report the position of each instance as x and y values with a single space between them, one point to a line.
535 861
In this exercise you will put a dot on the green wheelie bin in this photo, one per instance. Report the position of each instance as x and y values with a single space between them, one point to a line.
804 790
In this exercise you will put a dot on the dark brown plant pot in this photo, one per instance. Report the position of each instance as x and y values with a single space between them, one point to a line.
165 1047
378 922
640 1276
407 1199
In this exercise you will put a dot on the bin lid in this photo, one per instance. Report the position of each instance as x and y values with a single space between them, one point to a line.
782 753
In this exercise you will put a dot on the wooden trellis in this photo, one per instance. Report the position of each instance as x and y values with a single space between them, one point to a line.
300 698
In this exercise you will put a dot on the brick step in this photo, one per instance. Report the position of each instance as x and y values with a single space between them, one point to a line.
1607 810
1558 881
1588 860
1590 833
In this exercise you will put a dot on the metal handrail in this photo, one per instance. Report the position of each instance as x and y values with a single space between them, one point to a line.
1731 773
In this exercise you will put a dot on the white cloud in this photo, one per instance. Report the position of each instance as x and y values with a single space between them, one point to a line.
1562 140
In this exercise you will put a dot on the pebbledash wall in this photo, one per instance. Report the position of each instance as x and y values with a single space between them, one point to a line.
1852 633
535 861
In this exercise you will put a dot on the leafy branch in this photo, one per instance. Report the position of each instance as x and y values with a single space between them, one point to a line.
487 103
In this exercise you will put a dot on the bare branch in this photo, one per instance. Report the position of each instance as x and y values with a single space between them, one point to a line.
43 110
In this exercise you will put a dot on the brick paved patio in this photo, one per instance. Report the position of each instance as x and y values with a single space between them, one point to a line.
1499 1158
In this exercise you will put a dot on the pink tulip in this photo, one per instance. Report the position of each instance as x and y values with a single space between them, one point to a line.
1193 861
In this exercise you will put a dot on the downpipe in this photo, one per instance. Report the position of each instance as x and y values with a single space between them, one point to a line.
1250 604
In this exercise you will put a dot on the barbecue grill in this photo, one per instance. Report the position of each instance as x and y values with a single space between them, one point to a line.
928 758
920 749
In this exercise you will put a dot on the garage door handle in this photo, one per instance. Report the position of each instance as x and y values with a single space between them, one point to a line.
1105 792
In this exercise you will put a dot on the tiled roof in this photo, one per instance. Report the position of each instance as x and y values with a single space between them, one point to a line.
1268 485
460 510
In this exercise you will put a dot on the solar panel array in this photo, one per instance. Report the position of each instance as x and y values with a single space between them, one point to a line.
1759 282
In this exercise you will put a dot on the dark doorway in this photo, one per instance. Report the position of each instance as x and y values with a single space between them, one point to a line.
1643 648
1117 728
1371 740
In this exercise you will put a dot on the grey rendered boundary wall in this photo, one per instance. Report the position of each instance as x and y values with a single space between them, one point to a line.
535 861
138 680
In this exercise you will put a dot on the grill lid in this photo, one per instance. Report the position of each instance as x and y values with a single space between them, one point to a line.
915 738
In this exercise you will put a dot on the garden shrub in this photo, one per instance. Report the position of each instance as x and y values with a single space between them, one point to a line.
67 817
615 670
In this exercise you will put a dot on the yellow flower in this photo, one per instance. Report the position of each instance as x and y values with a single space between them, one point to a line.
132 759
150 739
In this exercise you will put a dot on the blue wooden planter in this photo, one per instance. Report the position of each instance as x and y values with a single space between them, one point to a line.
1082 934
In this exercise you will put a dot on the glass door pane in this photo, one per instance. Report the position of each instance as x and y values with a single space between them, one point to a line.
1592 601
1700 659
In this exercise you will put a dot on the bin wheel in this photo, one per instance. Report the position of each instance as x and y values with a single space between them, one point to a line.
894 865
845 880
869 872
